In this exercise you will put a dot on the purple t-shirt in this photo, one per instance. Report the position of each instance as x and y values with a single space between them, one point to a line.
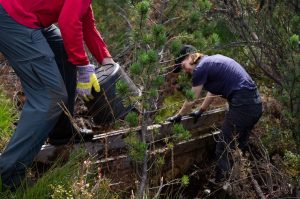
221 75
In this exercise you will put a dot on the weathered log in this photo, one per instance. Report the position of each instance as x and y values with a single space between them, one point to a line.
177 160
109 143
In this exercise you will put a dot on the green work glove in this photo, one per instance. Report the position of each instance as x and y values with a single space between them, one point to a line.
86 80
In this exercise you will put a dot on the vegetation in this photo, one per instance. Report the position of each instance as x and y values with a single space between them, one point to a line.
145 36
8 116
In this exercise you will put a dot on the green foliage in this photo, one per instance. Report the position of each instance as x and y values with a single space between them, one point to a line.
136 69
292 164
189 94
7 117
170 105
180 132
136 148
153 92
61 192
122 88
158 81
152 55
148 38
194 18
294 41
132 119
276 138
185 181
160 161
175 47
204 5
158 29
58 177
143 7
76 178
214 39
184 81
159 34
296 24
144 58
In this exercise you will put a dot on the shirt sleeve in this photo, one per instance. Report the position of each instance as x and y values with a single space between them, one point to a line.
71 27
199 75
92 37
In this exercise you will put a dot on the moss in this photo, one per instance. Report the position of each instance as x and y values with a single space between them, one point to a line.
170 106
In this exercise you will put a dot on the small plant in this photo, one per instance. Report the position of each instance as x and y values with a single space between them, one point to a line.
136 148
122 88
180 132
143 7
132 119
292 164
185 181
61 192
294 41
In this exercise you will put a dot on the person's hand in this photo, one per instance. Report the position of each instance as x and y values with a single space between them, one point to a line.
196 115
86 80
174 119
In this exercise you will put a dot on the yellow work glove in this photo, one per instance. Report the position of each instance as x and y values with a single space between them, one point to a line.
86 80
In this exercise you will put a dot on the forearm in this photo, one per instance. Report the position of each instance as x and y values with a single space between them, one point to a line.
186 108
209 98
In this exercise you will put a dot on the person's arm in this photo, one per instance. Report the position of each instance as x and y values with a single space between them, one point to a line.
187 105
70 24
92 37
209 98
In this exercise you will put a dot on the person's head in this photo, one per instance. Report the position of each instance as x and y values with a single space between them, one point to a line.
187 59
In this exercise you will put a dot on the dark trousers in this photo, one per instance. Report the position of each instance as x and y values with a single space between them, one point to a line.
48 79
245 109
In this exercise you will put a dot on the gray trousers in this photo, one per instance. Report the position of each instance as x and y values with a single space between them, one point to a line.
39 59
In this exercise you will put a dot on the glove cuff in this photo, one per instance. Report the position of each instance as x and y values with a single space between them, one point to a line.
86 68
201 110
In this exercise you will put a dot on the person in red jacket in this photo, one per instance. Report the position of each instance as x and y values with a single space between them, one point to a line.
52 65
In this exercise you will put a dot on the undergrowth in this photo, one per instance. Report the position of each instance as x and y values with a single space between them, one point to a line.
77 178
7 117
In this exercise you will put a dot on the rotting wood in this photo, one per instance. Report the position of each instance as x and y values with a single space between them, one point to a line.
113 142
186 154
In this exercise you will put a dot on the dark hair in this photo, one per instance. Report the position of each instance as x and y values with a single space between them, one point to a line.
183 53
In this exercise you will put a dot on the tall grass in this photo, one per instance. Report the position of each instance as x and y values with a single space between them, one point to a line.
77 178
8 115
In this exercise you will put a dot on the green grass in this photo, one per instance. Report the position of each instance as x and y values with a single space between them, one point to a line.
77 178
7 117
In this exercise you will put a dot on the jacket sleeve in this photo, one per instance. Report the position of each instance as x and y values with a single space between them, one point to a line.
71 27
93 38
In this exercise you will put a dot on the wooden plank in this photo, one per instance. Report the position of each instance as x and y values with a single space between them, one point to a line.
177 161
107 143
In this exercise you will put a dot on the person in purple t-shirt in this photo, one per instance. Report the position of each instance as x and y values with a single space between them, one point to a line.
221 76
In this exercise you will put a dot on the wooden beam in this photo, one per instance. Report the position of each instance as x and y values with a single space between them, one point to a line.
177 160
107 143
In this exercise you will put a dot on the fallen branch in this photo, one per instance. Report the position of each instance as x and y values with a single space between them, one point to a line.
257 187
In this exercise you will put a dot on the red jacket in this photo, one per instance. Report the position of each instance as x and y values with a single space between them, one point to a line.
75 19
